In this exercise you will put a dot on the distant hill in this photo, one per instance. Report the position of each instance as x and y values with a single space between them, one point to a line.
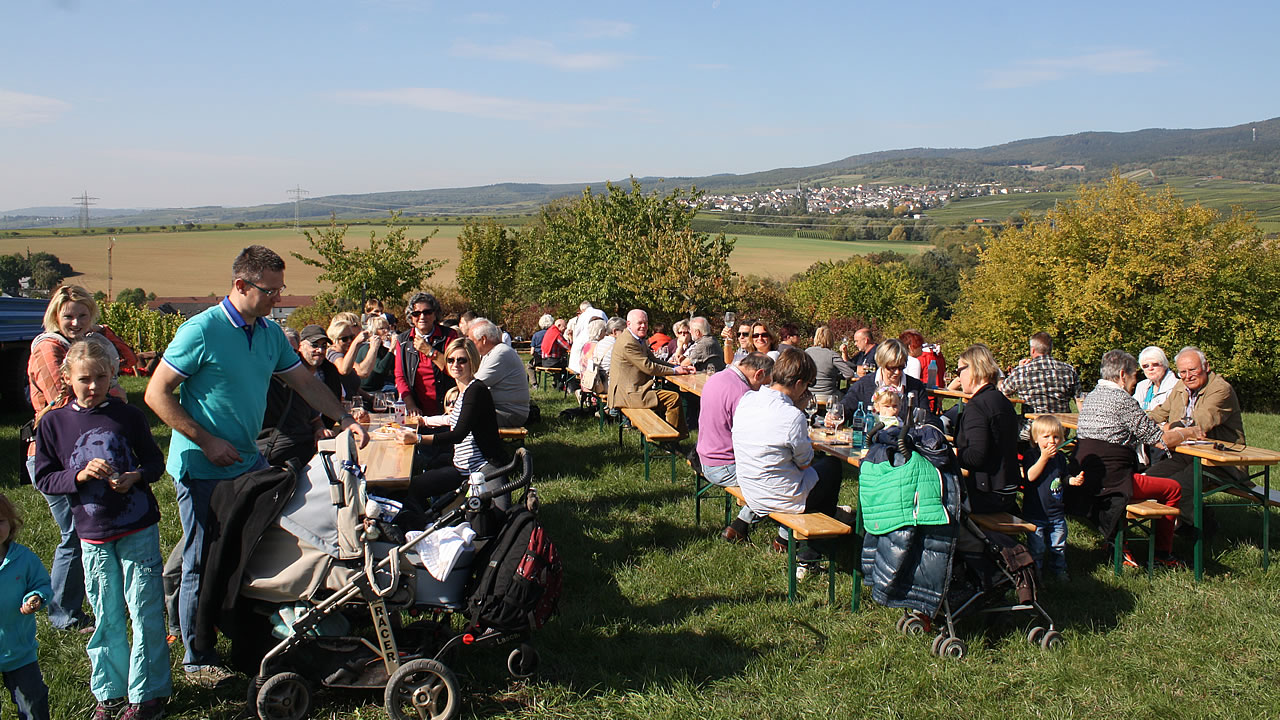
1231 152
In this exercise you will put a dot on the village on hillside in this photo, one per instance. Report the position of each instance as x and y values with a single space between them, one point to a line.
834 200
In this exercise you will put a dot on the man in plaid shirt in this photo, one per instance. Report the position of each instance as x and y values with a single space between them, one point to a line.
1044 384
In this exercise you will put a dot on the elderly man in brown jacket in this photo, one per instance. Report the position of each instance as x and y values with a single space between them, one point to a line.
632 370
1205 400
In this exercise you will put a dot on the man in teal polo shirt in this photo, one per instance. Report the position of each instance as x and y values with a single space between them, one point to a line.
223 360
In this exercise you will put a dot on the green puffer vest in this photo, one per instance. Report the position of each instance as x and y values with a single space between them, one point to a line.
895 497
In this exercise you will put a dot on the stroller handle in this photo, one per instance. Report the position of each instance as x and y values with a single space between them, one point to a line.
521 459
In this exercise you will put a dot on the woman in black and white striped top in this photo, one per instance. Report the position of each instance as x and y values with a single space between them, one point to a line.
472 427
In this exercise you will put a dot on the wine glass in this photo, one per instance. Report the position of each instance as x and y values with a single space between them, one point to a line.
835 415
811 409
730 318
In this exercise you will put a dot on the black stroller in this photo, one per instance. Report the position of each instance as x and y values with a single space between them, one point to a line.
325 581
924 552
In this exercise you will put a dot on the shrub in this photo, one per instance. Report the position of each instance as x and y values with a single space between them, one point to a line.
143 329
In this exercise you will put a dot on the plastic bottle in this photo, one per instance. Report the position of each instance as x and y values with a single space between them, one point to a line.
476 484
859 426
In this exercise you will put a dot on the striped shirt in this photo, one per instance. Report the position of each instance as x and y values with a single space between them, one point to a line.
467 457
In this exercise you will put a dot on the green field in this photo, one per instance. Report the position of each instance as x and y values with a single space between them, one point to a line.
196 263
662 619
1259 198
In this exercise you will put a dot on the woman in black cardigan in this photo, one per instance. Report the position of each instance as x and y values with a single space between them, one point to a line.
987 437
472 427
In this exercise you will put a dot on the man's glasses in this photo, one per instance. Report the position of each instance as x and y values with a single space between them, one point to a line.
420 313
744 334
1190 373
457 360
273 292
318 343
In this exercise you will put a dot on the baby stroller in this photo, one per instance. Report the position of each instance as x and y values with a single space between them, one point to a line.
324 580
924 553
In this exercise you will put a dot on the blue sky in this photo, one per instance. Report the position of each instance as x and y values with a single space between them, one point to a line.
146 104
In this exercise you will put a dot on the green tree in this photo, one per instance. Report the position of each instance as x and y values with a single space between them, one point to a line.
886 294
388 268
488 267
132 296
622 249
1118 268
12 269
898 234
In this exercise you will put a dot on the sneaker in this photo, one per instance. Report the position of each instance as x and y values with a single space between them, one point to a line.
806 569
1129 561
150 710
779 545
1169 560
207 676
109 709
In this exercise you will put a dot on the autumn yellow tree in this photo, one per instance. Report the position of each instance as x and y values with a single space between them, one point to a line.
1117 267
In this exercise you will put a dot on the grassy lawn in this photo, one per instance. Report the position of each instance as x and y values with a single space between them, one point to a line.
662 619
782 257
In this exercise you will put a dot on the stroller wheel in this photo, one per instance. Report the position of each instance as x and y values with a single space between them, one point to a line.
936 647
953 648
1035 635
1052 640
284 696
902 621
915 625
422 688
522 662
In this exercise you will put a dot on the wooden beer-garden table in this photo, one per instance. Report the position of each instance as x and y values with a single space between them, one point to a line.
1217 454
388 460
824 441
691 383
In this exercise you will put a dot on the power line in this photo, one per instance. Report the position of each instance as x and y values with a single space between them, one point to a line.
85 201
297 193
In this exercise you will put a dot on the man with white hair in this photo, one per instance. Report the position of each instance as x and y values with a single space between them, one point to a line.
502 372
632 370
586 313
704 352
1202 399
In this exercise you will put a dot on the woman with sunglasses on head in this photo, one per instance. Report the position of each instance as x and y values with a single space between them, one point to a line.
420 372
471 427
346 338
987 435
891 366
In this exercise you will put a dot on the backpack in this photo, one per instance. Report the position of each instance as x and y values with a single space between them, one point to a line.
519 588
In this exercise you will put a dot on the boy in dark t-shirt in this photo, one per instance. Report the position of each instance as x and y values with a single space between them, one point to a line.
1046 470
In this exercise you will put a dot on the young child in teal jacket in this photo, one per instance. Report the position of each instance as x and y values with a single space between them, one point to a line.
24 588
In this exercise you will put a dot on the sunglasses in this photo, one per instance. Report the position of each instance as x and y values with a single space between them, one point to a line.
895 368
961 368
273 292
1148 366
420 313
744 334
457 360
763 335
346 338
318 343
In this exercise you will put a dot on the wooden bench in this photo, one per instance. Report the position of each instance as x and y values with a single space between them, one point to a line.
560 375
809 526
1142 515
1273 499
653 430
1002 523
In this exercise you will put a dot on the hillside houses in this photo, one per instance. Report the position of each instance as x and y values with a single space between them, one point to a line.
834 200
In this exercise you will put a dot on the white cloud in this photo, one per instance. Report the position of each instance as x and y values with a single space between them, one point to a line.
539 52
605 28
1037 71
447 100
23 110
